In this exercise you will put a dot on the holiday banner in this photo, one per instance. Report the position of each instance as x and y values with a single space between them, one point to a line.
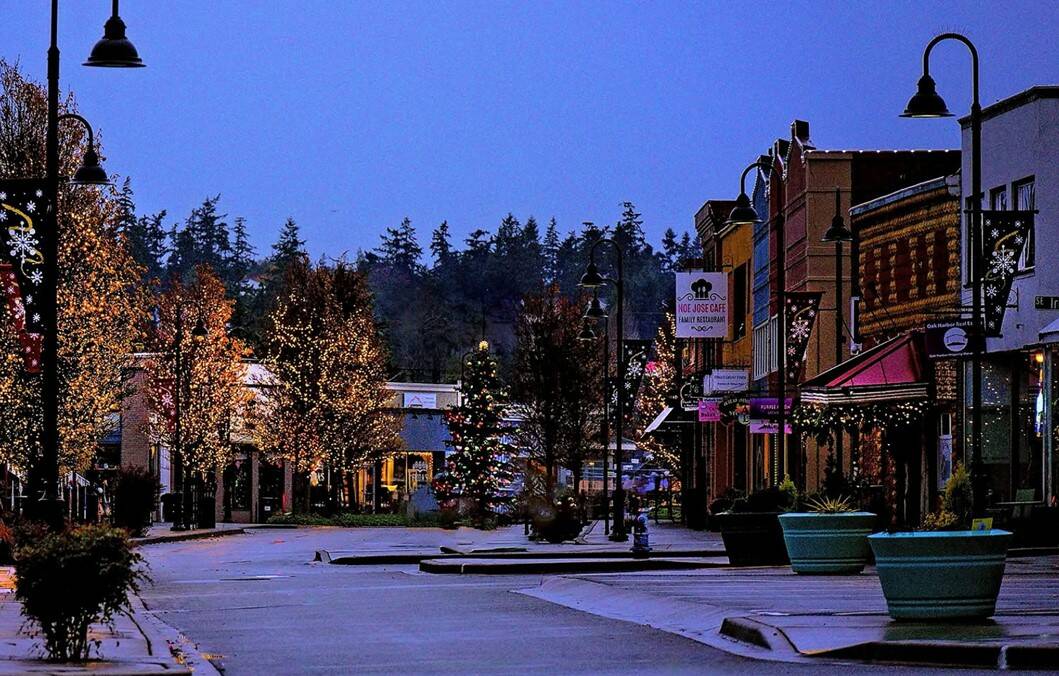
30 343
800 315
1004 235
702 304
635 353
23 206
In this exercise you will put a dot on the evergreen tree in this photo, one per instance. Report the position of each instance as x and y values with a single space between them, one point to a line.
478 469
204 240
240 265
628 233
689 247
550 252
440 246
145 237
287 249
399 248
670 250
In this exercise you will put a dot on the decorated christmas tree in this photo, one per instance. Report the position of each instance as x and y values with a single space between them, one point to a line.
478 469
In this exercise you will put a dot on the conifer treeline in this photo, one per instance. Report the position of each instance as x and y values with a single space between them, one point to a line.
431 304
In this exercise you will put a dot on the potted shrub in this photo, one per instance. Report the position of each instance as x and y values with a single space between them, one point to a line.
830 539
69 580
945 571
751 528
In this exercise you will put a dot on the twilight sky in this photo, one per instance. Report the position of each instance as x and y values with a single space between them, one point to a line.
349 116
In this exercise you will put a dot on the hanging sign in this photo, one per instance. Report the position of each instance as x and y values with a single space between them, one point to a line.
726 380
950 338
710 410
800 315
23 205
1004 235
764 415
701 304
1046 302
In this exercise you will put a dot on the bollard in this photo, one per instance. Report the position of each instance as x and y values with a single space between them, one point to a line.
641 543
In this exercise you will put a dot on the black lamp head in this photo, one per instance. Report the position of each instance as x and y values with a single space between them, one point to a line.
586 333
90 172
199 333
591 279
838 232
114 50
595 310
743 212
926 102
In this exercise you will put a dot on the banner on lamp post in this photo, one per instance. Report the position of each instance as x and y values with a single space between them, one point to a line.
23 204
1004 235
800 313
701 305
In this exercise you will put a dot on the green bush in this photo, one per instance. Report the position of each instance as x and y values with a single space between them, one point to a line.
350 520
959 495
70 580
135 496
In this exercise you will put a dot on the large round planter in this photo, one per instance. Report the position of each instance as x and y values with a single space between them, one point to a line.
947 575
752 538
827 544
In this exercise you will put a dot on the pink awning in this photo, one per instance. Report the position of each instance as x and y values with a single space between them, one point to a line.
894 370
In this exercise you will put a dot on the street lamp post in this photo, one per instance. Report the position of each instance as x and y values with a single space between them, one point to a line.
596 312
838 233
926 103
744 213
113 50
592 279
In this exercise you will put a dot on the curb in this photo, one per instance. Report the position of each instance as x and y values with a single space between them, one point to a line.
165 641
558 566
756 633
450 554
180 537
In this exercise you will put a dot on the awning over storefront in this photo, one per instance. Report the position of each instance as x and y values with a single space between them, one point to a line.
1050 333
659 419
893 371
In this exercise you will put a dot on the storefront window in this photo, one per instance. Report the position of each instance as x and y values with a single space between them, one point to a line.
1030 440
238 480
996 428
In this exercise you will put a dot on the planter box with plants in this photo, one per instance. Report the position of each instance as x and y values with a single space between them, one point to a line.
751 528
946 571
831 539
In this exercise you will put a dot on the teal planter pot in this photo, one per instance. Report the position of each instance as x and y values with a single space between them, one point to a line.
827 544
941 575
752 538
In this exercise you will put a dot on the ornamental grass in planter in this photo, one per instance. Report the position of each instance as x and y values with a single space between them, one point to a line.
69 580
947 571
830 539
751 529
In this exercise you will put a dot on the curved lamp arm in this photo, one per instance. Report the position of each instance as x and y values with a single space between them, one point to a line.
617 249
84 122
742 178
974 59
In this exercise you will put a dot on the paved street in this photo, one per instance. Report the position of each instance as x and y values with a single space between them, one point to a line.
259 604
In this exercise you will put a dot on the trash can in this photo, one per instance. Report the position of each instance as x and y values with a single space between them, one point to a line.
207 515
170 506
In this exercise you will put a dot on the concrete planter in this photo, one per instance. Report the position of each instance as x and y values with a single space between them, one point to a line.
941 575
827 544
752 538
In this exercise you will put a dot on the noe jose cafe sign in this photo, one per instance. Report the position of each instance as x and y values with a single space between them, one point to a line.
702 304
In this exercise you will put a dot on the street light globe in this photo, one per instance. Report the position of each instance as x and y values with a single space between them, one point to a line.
114 50
483 345
743 213
926 102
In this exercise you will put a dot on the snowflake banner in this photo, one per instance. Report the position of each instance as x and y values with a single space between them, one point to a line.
801 308
1004 235
29 342
23 209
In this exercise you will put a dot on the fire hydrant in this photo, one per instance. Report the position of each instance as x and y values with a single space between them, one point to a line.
641 543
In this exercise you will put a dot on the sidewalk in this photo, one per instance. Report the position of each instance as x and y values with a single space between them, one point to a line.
138 644
163 532
773 614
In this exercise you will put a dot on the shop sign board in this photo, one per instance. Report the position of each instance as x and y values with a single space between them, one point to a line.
952 338
702 304
726 380
710 409
420 400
